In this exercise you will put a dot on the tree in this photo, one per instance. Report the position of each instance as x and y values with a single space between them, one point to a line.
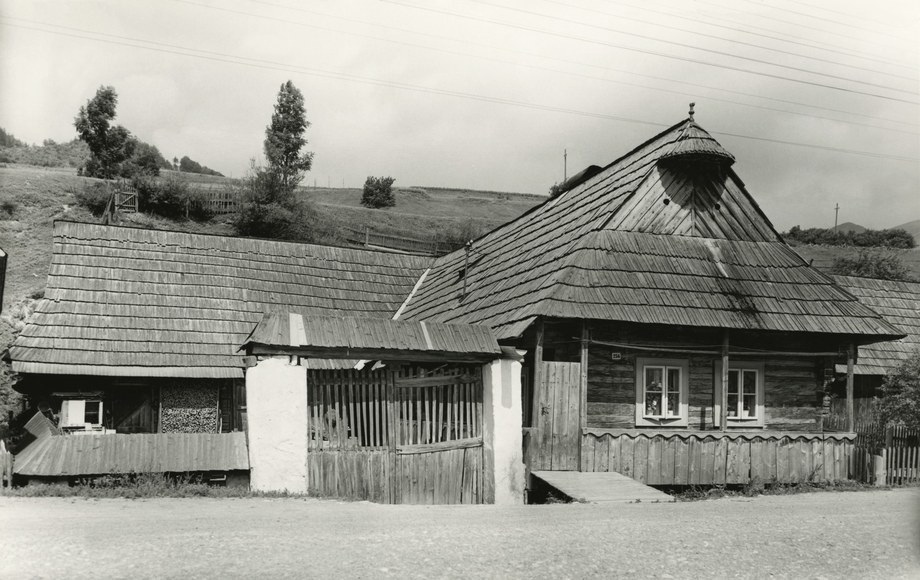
555 190
109 145
378 192
269 209
869 264
284 138
900 401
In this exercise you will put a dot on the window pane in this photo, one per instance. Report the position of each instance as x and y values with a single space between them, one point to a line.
732 408
673 403
750 382
732 382
750 405
674 379
91 412
653 404
653 378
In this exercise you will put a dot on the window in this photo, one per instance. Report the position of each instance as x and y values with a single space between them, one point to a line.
745 394
661 392
81 413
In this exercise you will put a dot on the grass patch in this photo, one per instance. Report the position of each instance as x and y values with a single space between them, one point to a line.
757 488
141 486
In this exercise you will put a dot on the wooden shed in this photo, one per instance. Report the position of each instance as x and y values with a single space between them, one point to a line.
673 336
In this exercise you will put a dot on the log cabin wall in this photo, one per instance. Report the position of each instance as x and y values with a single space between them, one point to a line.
793 385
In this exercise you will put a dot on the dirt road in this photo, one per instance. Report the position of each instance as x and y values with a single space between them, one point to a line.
870 534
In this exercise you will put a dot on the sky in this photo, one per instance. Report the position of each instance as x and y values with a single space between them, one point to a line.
817 100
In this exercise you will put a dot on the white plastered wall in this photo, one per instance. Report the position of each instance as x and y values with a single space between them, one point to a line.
276 404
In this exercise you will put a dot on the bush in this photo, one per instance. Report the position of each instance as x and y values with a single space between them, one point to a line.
895 238
9 207
900 401
269 209
378 192
94 197
869 264
171 198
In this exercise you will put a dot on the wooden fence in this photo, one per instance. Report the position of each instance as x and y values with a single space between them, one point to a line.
368 238
714 459
6 467
902 455
220 200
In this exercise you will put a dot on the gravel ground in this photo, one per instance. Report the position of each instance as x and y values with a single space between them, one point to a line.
866 534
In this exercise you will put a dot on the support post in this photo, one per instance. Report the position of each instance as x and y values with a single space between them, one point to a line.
583 392
503 456
723 411
851 360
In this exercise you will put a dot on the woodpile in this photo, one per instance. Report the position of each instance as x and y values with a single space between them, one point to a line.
188 408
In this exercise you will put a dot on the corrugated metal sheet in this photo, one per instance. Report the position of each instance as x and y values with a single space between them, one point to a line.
134 302
642 242
294 329
74 455
899 303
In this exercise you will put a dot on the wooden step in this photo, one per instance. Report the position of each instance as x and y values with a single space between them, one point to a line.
602 487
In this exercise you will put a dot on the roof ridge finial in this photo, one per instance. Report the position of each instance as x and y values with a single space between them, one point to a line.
691 110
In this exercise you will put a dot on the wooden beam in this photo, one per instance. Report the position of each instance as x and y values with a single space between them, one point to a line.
723 415
583 389
373 354
851 361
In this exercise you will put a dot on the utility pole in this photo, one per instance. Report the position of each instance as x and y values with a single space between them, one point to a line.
836 211
565 164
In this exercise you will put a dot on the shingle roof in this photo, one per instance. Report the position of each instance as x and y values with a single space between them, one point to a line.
134 302
645 240
351 334
899 303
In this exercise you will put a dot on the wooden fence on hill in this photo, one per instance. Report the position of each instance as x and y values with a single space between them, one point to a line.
220 200
369 238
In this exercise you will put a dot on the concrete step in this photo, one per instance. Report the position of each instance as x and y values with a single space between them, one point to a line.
601 487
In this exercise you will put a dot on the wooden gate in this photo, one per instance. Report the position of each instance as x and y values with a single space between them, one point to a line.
413 435
557 419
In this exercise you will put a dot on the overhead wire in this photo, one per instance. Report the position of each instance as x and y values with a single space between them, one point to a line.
829 20
733 29
157 46
709 50
662 55
535 67
554 58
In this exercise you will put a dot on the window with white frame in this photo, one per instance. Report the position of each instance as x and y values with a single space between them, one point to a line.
661 392
81 413
745 394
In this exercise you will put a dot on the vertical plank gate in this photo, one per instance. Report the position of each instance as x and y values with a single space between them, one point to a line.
412 435
557 422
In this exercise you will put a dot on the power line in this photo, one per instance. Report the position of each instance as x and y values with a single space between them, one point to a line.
842 13
829 20
748 28
273 65
531 54
533 66
655 53
734 29
709 50
793 23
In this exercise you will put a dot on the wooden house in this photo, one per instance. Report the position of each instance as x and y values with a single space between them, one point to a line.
672 336
139 330
899 303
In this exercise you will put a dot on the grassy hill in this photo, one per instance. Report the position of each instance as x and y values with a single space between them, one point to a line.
822 257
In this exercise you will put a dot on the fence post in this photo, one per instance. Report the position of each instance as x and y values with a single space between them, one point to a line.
880 468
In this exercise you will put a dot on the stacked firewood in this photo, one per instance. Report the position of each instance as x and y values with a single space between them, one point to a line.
189 409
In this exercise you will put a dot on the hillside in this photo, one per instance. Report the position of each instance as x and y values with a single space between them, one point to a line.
913 228
850 227
822 257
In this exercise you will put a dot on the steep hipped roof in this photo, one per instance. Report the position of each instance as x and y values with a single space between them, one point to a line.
134 302
666 234
899 303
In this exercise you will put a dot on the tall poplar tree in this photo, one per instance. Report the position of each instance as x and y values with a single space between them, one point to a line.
284 138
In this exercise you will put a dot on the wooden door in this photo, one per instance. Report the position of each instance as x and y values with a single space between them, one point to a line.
557 421
438 433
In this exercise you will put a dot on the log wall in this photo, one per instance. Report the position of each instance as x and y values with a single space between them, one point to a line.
793 384
693 458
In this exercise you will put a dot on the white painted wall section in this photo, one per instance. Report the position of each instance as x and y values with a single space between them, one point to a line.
276 404
501 427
